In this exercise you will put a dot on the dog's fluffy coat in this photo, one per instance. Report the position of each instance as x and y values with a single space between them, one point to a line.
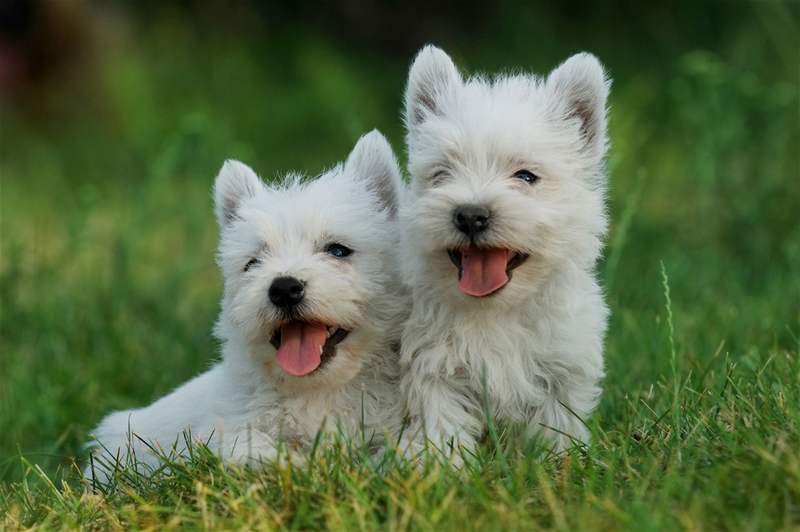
534 348
246 404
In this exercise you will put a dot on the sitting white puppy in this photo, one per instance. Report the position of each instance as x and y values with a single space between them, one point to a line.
309 324
502 228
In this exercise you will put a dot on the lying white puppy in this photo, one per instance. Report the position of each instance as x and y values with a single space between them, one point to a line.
309 323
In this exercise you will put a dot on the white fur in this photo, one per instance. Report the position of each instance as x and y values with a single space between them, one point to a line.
535 347
245 405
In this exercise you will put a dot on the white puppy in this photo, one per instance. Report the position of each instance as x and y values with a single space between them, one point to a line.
309 324
502 228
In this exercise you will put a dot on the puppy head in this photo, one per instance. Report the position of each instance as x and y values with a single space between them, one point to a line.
307 268
508 175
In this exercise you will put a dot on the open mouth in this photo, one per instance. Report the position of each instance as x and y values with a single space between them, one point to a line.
304 347
484 271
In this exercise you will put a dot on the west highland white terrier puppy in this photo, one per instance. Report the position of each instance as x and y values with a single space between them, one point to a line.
502 228
310 320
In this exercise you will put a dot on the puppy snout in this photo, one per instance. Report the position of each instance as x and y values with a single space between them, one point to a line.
471 219
286 292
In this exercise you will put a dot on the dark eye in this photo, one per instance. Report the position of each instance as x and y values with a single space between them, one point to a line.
338 250
439 177
527 176
250 264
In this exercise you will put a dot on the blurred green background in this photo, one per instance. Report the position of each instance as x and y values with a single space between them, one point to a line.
115 117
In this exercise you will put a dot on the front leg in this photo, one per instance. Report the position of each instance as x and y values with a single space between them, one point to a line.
247 447
442 410
562 418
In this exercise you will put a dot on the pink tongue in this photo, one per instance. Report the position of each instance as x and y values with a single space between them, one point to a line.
483 270
301 347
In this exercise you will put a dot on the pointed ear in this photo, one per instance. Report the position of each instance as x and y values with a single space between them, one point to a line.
373 163
580 89
235 183
432 76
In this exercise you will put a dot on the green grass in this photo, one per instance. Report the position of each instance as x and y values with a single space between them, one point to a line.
108 288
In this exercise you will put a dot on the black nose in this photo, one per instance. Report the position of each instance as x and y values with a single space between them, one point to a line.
471 219
285 292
